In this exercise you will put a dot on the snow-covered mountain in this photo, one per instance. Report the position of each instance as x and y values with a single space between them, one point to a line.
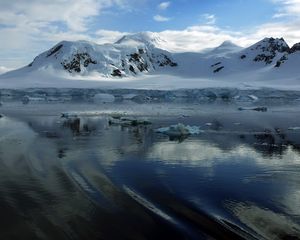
142 54
131 55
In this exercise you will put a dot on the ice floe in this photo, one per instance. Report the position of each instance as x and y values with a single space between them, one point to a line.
127 121
179 130
258 109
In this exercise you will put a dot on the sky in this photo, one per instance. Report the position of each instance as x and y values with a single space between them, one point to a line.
30 27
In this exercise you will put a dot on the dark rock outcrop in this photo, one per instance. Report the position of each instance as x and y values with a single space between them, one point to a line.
116 73
218 69
166 61
143 62
295 48
77 61
139 61
281 60
132 69
54 50
269 48
216 64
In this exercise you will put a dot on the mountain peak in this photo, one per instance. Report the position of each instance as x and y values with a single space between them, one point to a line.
130 56
267 50
140 53
148 38
227 47
271 44
227 43
295 48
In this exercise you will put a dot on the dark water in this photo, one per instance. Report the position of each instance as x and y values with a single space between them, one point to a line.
83 178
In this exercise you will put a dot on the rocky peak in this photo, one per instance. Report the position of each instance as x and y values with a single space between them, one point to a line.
295 48
285 57
268 48
271 45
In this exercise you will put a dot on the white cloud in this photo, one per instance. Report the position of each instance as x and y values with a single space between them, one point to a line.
159 18
75 14
101 36
209 18
288 8
4 69
288 30
107 36
197 38
164 5
29 27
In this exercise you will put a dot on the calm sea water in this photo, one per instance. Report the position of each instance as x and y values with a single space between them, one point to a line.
82 178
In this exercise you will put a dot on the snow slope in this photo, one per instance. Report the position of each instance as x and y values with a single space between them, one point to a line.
130 55
139 61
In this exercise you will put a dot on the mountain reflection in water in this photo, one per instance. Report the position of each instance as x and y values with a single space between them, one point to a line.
83 178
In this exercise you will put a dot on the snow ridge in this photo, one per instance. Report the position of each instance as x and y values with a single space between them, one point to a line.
130 56
141 54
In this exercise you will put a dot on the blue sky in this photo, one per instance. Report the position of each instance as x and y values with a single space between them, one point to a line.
32 26
235 14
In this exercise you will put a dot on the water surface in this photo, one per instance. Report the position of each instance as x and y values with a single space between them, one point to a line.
83 178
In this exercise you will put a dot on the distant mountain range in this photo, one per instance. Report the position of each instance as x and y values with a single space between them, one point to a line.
142 53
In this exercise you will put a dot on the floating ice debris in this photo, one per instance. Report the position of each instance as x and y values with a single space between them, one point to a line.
247 98
258 109
294 128
179 130
127 121
253 97
26 99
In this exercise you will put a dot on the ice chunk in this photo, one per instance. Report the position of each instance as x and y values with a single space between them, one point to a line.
253 97
247 98
179 130
258 109
127 121
294 128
